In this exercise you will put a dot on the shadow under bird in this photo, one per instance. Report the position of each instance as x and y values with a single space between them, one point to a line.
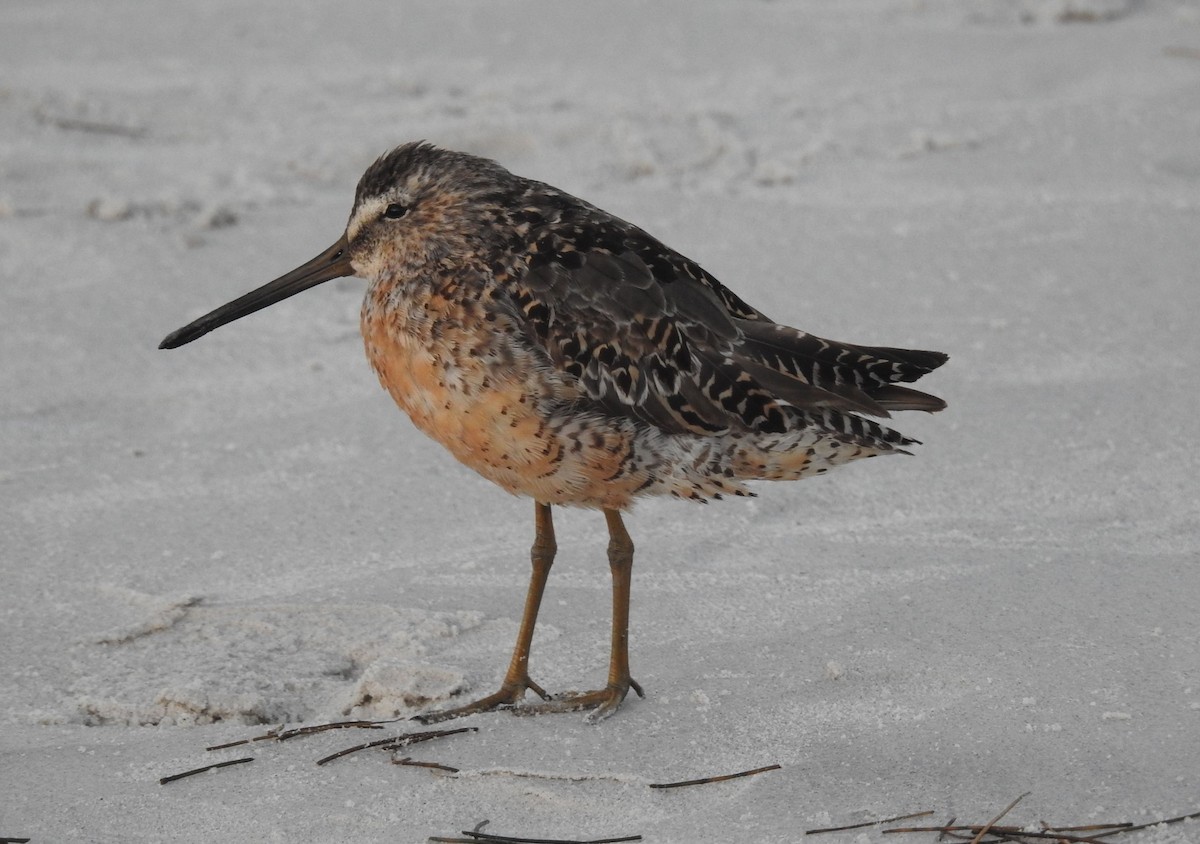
570 357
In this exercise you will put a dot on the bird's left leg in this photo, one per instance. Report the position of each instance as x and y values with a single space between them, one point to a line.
516 679
606 701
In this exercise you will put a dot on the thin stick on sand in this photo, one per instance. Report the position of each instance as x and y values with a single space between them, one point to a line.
397 742
869 823
415 764
195 771
509 839
996 819
721 778
477 835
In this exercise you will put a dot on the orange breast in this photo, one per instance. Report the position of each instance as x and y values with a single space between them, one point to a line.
495 404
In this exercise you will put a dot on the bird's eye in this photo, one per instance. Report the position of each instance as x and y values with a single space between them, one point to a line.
395 211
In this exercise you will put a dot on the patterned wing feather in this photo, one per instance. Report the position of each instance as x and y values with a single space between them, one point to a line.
650 334
861 374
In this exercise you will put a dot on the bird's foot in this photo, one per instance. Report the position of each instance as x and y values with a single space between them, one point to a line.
510 694
604 702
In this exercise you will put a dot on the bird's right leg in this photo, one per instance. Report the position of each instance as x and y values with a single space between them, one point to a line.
516 679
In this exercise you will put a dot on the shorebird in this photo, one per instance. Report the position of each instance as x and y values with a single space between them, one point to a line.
570 357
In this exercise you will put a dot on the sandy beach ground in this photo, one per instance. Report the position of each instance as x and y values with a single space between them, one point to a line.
199 545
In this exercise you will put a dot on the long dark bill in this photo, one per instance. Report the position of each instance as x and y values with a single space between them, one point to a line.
333 263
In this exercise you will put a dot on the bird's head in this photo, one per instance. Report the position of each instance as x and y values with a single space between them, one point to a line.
414 207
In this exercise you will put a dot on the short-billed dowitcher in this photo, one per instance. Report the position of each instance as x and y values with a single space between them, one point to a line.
569 356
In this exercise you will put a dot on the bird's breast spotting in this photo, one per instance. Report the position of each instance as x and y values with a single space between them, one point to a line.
497 405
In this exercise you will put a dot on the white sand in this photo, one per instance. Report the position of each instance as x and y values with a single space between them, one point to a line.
246 531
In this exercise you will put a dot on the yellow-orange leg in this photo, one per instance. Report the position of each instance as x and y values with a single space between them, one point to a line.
606 701
516 679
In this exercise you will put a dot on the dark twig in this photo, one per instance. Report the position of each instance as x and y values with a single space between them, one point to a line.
478 827
476 835
1012 833
280 734
996 819
414 764
1048 833
267 736
174 777
337 725
1002 837
869 823
401 742
1003 832
347 751
1193 816
721 778
508 839
397 742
